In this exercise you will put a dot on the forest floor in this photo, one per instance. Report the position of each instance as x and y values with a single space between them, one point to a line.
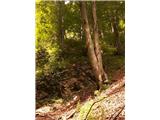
81 100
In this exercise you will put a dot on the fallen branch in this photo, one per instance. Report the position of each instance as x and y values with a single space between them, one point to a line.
71 114
92 106
115 90
116 114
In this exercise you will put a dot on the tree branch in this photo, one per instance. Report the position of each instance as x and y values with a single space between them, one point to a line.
110 93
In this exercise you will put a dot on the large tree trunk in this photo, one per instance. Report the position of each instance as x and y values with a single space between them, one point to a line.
93 48
97 47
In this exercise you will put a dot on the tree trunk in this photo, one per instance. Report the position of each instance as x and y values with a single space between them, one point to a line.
93 48
116 35
97 47
61 22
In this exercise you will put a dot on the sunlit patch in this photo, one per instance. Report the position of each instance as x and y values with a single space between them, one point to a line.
67 1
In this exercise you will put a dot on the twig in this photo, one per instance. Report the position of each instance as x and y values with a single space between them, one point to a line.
110 93
71 114
114 116
92 106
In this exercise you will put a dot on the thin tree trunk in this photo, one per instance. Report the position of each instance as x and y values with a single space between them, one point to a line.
61 22
94 55
100 30
116 34
81 26
102 34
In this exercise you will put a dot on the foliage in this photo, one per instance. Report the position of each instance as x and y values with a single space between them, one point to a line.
52 58
47 48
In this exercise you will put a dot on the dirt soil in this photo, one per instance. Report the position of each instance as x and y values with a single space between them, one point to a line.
107 105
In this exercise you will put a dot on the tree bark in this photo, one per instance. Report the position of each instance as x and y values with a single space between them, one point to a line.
97 47
116 35
93 48
61 22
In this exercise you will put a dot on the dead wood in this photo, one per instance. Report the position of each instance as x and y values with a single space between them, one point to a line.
113 91
116 114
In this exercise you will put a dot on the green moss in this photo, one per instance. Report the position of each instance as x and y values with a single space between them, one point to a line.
84 109
78 107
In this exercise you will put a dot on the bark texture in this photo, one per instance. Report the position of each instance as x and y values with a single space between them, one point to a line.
61 22
116 35
93 47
